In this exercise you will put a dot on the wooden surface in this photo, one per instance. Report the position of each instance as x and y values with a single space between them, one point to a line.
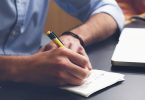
58 20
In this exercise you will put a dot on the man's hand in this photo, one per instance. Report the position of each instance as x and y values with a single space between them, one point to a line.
75 45
71 43
56 67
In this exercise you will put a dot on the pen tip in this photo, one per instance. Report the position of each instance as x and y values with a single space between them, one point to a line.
48 32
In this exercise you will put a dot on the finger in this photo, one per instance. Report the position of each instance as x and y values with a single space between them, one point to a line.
51 45
79 49
77 59
76 71
82 51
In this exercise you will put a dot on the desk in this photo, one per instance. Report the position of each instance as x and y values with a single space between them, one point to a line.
133 88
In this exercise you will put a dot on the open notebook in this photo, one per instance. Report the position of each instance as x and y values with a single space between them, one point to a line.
130 50
97 80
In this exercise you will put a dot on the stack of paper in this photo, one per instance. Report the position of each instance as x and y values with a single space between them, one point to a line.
96 81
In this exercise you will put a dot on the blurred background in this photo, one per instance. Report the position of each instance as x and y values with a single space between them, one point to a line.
58 20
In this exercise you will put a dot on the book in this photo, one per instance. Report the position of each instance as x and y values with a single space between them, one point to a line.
130 50
97 80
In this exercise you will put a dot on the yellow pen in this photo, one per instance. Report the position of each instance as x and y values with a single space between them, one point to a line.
55 39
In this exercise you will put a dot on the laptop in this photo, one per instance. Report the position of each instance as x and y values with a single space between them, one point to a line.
130 50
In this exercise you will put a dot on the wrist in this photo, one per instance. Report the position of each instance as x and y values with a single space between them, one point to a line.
22 66
12 67
75 36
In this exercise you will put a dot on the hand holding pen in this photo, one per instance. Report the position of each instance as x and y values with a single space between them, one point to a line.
68 40
53 67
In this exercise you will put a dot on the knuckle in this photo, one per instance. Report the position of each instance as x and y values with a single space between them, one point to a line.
61 62
81 48
85 61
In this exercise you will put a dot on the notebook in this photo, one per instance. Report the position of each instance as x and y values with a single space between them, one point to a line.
97 80
130 50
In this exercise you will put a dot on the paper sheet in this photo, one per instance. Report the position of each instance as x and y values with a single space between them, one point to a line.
96 81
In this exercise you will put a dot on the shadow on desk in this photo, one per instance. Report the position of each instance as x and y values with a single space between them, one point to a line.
128 69
32 92
14 91
105 89
136 24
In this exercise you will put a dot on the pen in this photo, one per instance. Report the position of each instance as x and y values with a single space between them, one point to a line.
55 39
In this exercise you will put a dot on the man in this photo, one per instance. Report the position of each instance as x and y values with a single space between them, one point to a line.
21 28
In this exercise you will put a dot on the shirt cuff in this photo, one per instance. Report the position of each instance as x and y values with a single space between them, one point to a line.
113 11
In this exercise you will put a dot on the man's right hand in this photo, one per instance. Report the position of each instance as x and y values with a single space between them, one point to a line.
55 67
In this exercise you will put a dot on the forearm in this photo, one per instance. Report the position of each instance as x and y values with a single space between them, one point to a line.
10 65
97 28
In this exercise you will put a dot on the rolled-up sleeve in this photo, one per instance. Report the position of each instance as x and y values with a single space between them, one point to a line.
83 9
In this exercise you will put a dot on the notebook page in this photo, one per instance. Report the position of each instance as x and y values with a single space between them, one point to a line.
96 81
